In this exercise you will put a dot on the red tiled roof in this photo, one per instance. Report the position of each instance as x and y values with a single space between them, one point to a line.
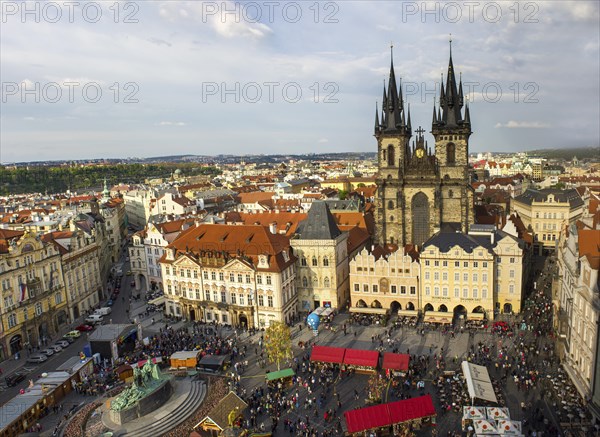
236 241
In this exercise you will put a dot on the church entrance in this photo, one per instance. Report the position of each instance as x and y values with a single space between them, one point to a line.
420 218
243 321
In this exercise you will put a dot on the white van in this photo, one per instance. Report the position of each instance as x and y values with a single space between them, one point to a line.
94 319
104 311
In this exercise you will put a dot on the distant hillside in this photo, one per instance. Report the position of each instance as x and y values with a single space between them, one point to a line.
568 154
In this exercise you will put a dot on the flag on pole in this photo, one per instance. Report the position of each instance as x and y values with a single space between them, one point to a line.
23 287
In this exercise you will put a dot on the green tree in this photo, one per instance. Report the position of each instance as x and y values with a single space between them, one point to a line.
342 194
278 343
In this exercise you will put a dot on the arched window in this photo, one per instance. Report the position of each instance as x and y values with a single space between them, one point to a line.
315 281
450 153
384 155
391 161
391 204
314 261
303 261
326 282
304 281
325 261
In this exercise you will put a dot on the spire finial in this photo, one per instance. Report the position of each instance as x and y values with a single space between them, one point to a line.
450 45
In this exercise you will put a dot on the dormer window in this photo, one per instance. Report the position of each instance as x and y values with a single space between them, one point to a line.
263 261
286 256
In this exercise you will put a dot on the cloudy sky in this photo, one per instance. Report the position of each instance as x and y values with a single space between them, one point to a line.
139 79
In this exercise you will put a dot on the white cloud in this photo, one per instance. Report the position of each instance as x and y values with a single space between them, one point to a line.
171 123
323 140
522 125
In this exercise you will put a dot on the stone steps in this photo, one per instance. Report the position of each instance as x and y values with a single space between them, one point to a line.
175 417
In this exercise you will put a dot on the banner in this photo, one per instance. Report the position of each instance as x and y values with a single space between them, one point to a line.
23 287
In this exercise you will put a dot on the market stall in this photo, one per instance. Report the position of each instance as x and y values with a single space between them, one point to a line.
479 384
327 354
184 359
413 412
213 363
395 363
284 376
362 361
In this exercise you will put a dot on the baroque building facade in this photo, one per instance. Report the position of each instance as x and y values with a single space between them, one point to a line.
419 189
34 305
240 275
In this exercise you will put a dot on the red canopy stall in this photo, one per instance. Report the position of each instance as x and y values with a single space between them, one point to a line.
411 409
327 354
362 419
364 360
393 413
395 362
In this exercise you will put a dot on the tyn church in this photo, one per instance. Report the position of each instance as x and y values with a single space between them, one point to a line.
419 190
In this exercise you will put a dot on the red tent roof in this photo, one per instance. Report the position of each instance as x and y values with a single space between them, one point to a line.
327 354
410 409
359 357
383 415
396 361
367 418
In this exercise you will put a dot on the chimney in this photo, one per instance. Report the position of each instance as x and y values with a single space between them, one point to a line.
273 228
492 235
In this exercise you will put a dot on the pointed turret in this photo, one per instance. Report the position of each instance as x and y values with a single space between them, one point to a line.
451 98
376 130
467 119
400 97
434 119
460 92
409 124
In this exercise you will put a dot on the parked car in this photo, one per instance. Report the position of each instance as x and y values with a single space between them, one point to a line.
94 319
48 352
38 358
62 343
15 378
56 348
84 328
69 340
73 334
110 302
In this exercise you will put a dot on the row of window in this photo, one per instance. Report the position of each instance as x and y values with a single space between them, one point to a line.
13 319
393 289
466 264
551 215
444 290
241 278
548 237
234 298
371 269
474 292
314 261
465 276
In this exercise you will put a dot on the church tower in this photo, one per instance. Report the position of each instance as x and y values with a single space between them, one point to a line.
422 189
393 133
451 132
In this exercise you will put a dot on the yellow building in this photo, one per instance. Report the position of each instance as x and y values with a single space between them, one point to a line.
385 278
547 212
34 305
472 274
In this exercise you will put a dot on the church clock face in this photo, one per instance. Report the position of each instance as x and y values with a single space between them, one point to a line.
420 153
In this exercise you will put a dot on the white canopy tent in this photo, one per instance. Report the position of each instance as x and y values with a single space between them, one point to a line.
478 380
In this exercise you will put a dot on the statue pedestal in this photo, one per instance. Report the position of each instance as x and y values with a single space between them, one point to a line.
153 400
